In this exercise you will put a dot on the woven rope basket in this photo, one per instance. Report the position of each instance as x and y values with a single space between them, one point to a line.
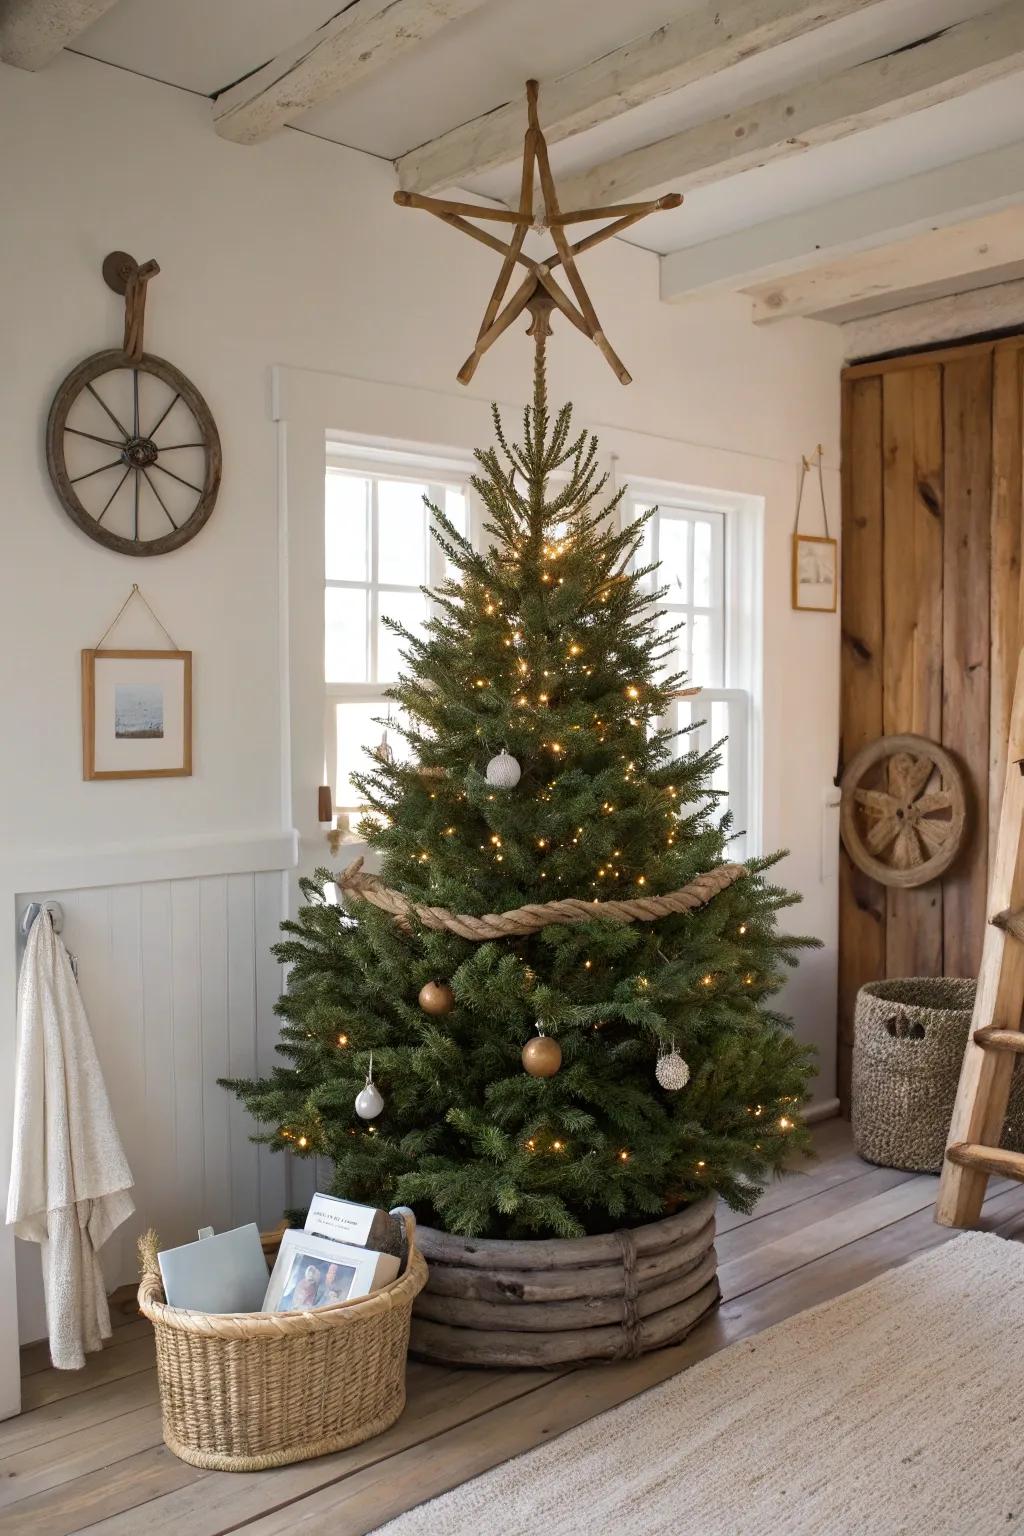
909 1039
244 1391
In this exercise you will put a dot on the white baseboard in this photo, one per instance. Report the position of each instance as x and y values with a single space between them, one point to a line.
823 1109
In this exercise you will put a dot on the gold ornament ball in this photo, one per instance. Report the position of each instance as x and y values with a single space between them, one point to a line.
542 1057
437 998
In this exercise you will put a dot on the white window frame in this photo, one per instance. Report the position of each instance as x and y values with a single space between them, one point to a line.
374 462
737 630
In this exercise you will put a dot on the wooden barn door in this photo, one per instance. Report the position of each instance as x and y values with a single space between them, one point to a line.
932 626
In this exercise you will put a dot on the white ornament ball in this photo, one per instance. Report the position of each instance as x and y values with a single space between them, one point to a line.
369 1102
503 772
672 1072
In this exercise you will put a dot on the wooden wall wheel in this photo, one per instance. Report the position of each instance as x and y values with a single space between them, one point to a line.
903 810
131 445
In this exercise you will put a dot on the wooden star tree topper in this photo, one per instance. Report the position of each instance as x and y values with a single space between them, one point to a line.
540 291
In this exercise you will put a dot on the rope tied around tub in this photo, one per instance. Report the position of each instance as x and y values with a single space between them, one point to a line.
630 1347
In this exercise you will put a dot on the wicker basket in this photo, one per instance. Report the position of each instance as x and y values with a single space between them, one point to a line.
909 1039
244 1391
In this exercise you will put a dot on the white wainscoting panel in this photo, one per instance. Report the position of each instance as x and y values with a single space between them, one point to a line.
179 985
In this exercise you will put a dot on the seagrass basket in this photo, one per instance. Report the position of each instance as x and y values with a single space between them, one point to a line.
909 1040
244 1391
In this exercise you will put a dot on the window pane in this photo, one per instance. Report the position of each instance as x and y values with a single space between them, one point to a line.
673 548
402 532
345 527
410 609
702 565
358 733
644 554
345 634
720 729
676 659
700 632
456 508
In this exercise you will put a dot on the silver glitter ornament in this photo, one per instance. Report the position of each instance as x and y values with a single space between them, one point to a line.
671 1071
503 772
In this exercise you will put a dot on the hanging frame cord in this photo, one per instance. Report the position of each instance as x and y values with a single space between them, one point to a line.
135 592
805 465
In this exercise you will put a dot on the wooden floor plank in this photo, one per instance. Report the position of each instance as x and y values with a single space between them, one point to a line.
109 1365
87 1456
36 1357
358 1504
439 1400
776 1225
834 1163
56 1462
70 1415
77 1505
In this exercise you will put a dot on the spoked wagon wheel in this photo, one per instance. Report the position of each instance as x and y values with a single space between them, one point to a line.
903 810
131 445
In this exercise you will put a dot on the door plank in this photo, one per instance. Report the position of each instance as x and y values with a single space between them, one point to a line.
861 900
912 607
1007 439
967 407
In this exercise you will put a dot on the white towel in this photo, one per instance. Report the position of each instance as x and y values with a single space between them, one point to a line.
69 1175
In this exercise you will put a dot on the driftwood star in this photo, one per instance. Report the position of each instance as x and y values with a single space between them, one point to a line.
540 291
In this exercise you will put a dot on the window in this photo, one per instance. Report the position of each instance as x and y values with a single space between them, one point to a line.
378 554
689 538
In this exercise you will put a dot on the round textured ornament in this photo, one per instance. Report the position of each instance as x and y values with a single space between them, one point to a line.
542 1057
671 1071
503 771
437 998
369 1101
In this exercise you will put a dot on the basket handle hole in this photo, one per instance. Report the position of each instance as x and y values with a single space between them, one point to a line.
899 1029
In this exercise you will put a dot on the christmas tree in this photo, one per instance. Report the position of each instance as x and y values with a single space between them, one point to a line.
544 653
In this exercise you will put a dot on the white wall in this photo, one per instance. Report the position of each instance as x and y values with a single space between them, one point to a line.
293 254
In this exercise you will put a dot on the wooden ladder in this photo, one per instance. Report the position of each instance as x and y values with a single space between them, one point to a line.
973 1152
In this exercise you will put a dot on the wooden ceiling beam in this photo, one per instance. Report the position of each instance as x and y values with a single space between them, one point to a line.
905 272
353 45
860 221
820 111
32 32
710 38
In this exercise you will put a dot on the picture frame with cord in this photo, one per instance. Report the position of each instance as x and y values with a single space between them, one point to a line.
136 714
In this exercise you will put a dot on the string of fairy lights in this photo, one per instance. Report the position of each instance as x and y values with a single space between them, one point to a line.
610 869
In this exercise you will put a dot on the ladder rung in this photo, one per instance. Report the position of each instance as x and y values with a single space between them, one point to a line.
995 1039
997 1160
1010 922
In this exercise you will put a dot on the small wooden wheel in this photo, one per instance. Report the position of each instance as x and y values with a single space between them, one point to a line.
903 810
133 452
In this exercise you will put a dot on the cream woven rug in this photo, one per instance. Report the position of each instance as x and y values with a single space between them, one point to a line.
895 1410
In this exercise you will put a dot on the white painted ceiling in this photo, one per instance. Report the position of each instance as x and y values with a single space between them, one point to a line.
475 64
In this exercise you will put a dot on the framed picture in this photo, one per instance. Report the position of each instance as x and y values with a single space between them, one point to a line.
316 1271
815 573
136 714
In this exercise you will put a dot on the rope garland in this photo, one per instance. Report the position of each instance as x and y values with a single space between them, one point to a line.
532 918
